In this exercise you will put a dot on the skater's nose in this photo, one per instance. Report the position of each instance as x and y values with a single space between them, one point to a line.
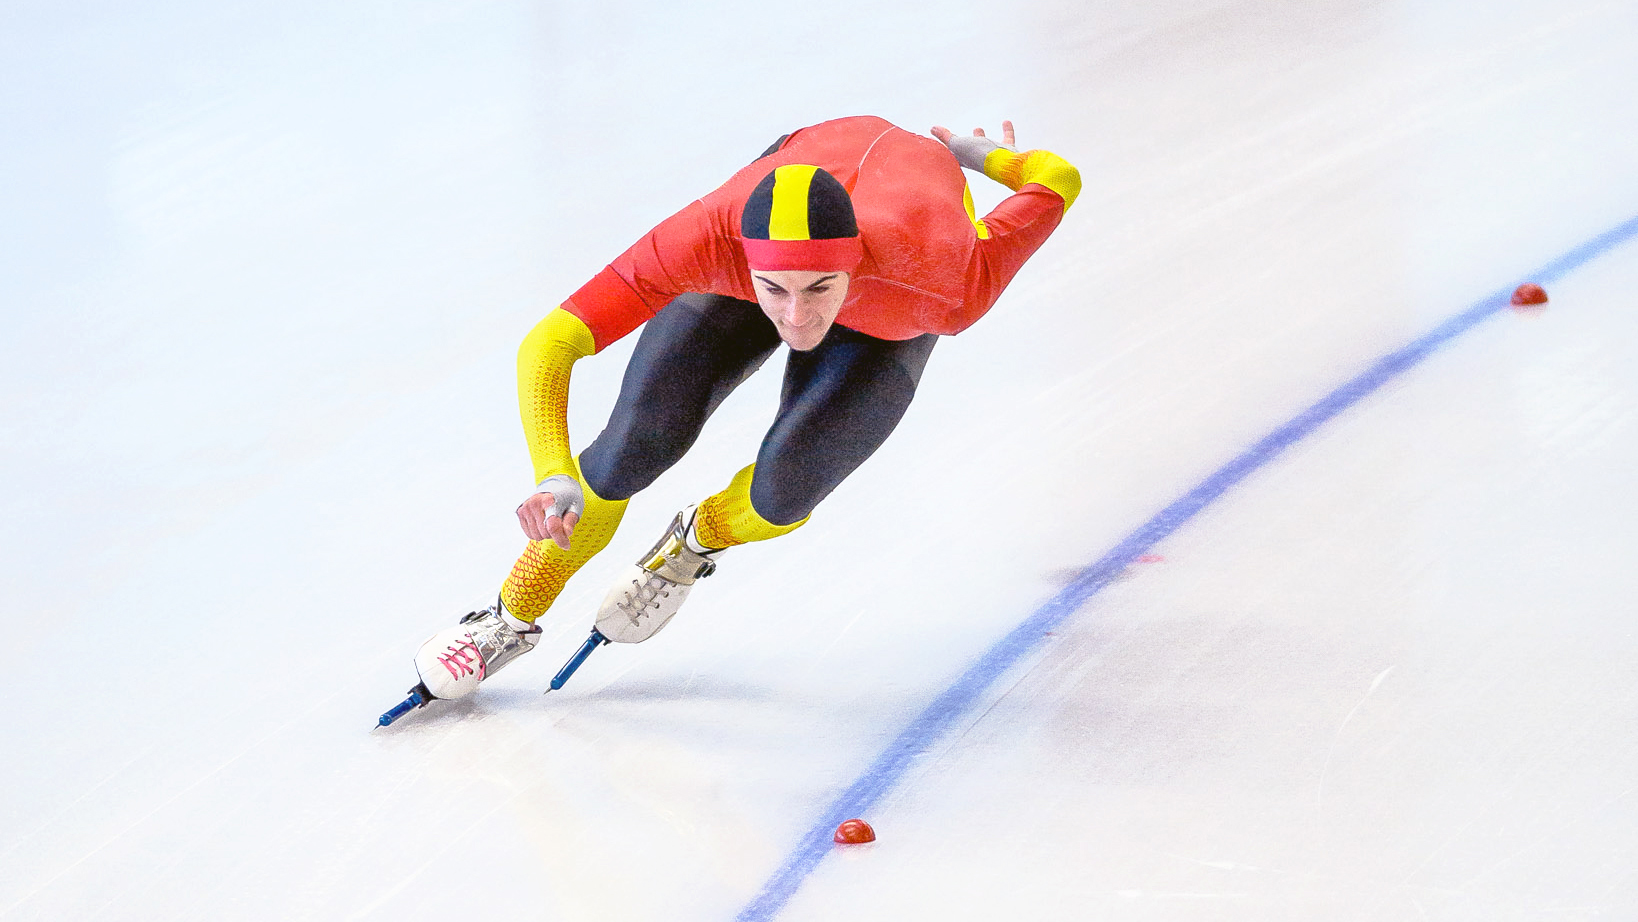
799 312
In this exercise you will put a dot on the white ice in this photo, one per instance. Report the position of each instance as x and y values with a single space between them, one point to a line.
263 271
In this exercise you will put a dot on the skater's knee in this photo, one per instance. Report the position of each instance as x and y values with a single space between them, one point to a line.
619 465
783 504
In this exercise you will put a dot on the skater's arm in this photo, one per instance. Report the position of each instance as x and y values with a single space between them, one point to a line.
1042 168
685 252
1044 186
672 258
1004 164
545 360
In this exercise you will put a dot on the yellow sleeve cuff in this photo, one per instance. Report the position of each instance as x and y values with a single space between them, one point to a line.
545 360
1042 167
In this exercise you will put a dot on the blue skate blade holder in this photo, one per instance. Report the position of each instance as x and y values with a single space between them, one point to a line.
593 642
418 697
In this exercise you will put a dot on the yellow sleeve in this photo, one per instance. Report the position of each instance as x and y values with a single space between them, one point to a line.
1042 167
545 359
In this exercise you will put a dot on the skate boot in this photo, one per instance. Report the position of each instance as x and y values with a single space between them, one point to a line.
453 661
655 587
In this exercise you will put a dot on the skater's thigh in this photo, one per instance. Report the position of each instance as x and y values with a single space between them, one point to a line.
840 403
688 358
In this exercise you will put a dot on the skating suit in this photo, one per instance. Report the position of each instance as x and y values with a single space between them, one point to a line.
930 266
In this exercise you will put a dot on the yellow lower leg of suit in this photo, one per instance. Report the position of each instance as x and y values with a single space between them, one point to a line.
727 518
724 520
544 568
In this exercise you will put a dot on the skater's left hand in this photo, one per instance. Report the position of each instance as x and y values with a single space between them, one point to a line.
971 151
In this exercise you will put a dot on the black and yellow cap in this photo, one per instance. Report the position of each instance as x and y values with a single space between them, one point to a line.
800 217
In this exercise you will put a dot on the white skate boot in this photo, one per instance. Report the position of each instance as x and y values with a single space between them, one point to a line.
453 661
655 587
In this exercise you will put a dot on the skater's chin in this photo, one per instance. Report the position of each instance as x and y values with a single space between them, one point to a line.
802 339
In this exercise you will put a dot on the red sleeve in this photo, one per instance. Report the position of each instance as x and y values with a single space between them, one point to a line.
685 252
608 307
1017 228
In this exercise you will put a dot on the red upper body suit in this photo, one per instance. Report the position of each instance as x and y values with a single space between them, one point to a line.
928 267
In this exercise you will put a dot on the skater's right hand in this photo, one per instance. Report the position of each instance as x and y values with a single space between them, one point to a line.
551 514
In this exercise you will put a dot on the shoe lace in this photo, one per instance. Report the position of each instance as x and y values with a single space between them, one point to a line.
459 657
643 595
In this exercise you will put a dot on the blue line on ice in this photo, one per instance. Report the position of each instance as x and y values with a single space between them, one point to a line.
943 712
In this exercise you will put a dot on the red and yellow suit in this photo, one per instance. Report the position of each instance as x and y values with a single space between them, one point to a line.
930 265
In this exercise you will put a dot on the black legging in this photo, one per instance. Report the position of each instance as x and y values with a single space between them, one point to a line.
840 401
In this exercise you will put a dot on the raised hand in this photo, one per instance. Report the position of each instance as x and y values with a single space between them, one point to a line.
970 151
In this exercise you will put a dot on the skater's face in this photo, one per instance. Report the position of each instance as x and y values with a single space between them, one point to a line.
801 304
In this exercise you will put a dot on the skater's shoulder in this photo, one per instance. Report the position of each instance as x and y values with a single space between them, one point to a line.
863 129
855 123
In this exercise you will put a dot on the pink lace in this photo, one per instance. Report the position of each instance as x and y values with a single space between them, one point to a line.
460 657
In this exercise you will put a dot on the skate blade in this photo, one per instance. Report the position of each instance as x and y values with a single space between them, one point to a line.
593 642
418 697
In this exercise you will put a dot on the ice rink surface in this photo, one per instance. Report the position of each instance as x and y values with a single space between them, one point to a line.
263 272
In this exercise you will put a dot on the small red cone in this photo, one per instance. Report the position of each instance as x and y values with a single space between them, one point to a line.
854 832
1527 294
